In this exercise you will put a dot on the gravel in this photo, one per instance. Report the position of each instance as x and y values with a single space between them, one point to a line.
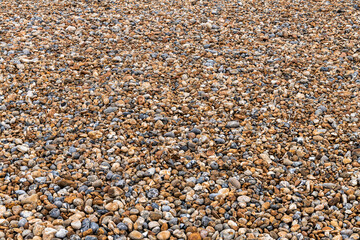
179 120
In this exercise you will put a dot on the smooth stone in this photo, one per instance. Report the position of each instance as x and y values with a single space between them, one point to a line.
61 233
136 235
26 214
76 224
112 206
38 229
153 224
234 182
169 134
163 235
23 148
227 234
194 236
155 216
110 110
245 199
97 183
232 124
29 200
54 213
49 233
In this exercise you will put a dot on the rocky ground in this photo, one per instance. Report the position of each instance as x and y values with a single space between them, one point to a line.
179 119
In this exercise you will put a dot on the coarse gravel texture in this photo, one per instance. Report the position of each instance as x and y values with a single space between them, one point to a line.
194 120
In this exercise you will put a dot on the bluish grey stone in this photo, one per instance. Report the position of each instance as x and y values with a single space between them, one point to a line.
54 213
22 222
110 110
152 193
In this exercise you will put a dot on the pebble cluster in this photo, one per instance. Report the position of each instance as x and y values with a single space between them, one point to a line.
186 119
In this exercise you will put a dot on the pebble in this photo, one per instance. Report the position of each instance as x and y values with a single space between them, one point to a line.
227 234
163 235
135 235
234 182
233 124
110 110
61 233
76 224
54 213
23 148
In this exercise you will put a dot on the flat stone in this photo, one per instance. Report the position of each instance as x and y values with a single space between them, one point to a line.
233 124
245 199
155 216
135 235
110 110
95 134
23 148
234 182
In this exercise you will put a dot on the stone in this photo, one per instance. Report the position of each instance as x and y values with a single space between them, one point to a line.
232 224
265 156
227 234
333 201
71 29
135 235
193 118
38 229
234 182
155 216
23 148
164 235
76 224
64 183
245 199
115 192
54 213
95 134
287 219
194 236
153 224
97 183
29 200
49 233
61 233
112 206
110 110
233 124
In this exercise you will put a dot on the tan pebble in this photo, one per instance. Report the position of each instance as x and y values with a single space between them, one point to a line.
163 235
234 182
309 210
114 192
49 233
95 134
154 216
136 235
347 160
318 138
233 225
38 229
194 236
287 219
112 207
295 227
